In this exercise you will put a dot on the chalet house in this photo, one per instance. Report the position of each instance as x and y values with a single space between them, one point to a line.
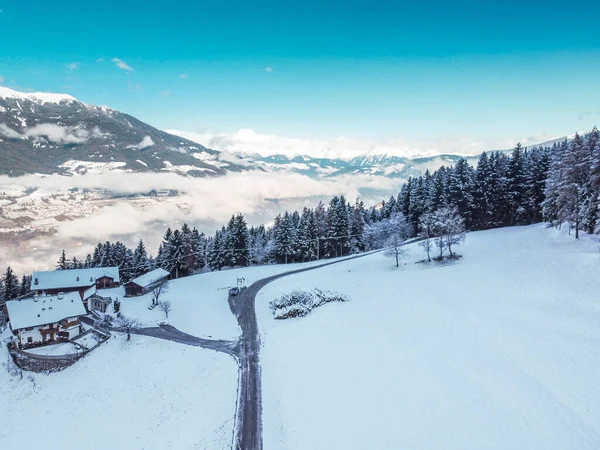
45 319
84 281
145 283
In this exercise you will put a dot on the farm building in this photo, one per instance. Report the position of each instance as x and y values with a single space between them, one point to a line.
84 281
145 283
45 319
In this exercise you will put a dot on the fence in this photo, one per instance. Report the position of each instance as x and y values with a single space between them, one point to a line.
52 363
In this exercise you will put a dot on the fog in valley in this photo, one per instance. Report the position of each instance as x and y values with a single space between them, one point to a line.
206 203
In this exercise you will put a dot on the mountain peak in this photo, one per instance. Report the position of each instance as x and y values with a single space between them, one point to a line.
37 97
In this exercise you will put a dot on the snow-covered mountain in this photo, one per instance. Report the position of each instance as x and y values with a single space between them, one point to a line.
376 165
56 133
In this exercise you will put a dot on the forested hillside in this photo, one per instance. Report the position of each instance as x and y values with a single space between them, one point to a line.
559 184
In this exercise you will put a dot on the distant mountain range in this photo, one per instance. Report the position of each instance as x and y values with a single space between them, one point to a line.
44 133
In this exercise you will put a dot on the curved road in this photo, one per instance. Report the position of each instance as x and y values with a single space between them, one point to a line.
247 433
248 424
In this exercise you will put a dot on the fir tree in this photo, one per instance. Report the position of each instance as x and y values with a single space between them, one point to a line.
63 263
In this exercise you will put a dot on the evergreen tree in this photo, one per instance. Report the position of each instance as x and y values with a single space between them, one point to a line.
10 284
25 285
63 263
140 262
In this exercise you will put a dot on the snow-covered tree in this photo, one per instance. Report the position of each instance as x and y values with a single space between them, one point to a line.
448 229
398 232
10 285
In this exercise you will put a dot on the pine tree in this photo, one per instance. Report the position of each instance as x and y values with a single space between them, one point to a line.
140 263
10 283
460 190
241 242
63 263
357 226
25 285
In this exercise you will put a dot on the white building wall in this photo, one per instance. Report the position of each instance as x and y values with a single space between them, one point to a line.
35 334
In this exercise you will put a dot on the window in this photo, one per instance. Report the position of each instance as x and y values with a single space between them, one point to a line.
36 282
30 340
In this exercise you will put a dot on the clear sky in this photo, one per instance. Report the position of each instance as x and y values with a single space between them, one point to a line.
316 69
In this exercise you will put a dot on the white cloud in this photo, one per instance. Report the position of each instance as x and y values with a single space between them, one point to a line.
9 132
73 65
249 141
145 143
122 65
183 76
268 69
49 132
2 79
204 202
166 93
100 60
134 87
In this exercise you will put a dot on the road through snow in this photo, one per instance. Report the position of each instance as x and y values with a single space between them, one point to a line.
248 417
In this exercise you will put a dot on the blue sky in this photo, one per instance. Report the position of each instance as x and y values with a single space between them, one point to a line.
368 69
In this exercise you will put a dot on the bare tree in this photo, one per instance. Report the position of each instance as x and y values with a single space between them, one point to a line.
426 226
449 229
157 291
397 232
127 325
166 307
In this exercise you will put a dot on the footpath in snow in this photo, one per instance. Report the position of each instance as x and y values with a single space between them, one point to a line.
500 350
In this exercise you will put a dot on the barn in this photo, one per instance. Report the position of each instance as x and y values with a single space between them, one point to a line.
145 283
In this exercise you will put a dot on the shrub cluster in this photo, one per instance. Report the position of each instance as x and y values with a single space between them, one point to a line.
301 303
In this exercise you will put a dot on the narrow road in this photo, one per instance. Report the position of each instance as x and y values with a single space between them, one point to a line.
171 333
248 418
248 424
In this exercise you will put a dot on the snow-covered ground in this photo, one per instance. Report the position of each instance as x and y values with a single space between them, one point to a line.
500 350
200 305
143 394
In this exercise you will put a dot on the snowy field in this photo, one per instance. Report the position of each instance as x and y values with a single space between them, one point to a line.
200 305
500 350
143 394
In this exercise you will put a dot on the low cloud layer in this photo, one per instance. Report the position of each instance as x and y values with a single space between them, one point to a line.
145 143
49 132
206 203
249 141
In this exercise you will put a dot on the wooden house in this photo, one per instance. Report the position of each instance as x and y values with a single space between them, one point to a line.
145 283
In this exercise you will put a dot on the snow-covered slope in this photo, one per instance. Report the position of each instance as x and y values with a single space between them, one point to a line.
500 350
142 394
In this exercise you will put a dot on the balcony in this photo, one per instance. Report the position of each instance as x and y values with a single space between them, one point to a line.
45 331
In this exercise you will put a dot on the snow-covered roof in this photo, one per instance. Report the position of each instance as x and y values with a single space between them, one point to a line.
75 278
89 292
151 277
44 309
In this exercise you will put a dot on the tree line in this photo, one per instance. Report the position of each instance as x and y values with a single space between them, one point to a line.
559 184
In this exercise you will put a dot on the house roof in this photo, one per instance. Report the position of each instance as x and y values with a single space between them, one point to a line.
44 309
151 277
75 278
89 292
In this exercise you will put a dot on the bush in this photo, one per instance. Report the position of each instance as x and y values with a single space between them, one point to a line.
301 303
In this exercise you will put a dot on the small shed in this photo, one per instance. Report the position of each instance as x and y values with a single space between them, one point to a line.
145 283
